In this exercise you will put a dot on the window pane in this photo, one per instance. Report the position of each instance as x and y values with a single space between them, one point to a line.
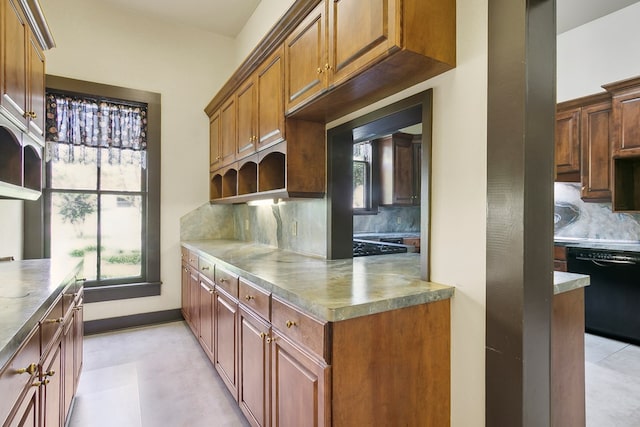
73 167
74 229
120 170
121 234
359 185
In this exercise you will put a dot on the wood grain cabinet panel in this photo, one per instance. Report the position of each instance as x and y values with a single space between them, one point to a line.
207 307
35 104
567 145
215 150
625 112
270 82
247 119
354 47
228 131
226 340
399 178
306 58
15 59
596 170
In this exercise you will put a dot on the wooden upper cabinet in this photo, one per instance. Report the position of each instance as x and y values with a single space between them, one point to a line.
625 115
270 82
596 169
398 170
306 58
567 144
247 119
14 62
361 31
228 131
215 150
36 102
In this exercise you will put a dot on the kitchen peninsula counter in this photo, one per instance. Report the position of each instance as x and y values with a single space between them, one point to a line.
27 289
565 282
332 290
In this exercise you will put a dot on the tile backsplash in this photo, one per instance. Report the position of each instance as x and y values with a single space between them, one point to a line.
576 219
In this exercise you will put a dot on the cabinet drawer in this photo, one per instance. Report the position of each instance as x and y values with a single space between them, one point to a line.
255 298
206 268
192 259
12 381
227 281
560 253
300 327
50 325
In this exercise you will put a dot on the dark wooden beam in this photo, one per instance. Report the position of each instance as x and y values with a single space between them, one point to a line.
520 156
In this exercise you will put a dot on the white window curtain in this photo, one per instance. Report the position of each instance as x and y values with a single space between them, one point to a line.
81 122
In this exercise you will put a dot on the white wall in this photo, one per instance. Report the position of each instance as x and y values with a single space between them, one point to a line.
11 226
261 21
459 203
186 67
599 52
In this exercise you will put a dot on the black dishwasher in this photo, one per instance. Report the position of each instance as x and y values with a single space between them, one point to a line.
612 300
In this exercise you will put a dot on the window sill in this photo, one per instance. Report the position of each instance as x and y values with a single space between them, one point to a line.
125 291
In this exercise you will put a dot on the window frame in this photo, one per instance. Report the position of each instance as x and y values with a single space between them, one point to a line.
113 289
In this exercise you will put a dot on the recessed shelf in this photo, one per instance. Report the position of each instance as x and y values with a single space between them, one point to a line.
248 178
216 187
32 168
271 172
626 191
10 158
230 183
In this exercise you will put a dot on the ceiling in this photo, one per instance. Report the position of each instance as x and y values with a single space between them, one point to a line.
573 13
224 17
227 17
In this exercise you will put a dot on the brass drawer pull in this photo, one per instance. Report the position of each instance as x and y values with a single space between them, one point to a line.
58 320
290 323
36 384
270 340
249 297
31 369
205 268
49 373
262 335
222 280
82 279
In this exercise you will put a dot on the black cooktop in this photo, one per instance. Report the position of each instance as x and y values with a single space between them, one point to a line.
364 248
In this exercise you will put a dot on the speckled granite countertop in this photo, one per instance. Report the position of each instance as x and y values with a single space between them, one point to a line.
612 245
332 290
27 290
565 282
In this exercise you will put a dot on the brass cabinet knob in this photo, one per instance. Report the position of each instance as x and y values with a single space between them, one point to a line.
49 373
78 308
222 280
31 369
211 291
290 323
262 335
45 381
249 297
327 66
319 70
36 384
270 340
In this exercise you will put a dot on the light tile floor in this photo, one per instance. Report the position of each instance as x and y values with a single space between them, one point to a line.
158 376
154 376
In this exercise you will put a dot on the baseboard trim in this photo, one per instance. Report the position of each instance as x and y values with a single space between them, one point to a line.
131 321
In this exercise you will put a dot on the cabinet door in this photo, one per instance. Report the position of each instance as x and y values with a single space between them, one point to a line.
300 386
214 141
596 170
78 343
254 371
567 143
186 293
246 99
207 301
68 362
270 79
14 62
228 132
36 88
226 312
403 182
626 116
52 388
27 414
305 58
361 31
194 301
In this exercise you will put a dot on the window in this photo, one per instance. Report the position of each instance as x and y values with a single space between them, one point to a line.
362 182
101 195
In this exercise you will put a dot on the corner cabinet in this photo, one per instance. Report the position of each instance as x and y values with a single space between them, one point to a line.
286 367
312 67
23 38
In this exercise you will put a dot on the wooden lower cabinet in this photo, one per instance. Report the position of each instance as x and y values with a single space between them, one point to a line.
27 413
300 394
254 368
52 391
288 369
194 301
226 340
207 307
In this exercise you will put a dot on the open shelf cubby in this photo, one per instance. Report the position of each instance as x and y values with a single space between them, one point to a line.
230 183
248 178
215 187
272 172
10 158
626 182
32 168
